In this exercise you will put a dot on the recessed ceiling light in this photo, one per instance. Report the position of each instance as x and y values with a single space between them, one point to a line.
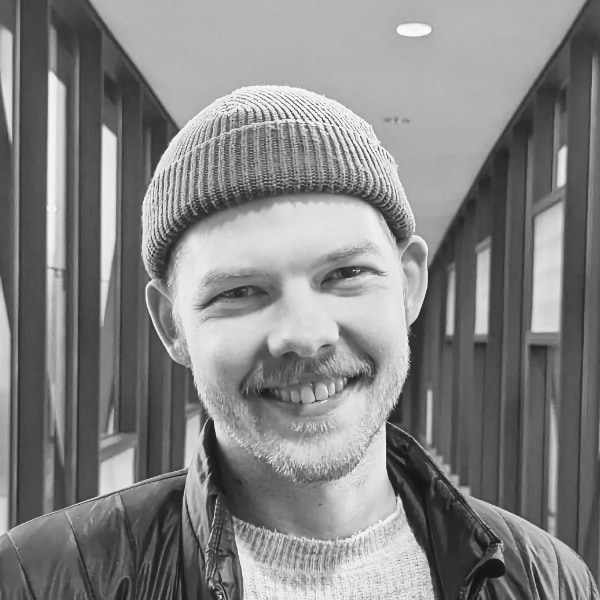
414 29
395 120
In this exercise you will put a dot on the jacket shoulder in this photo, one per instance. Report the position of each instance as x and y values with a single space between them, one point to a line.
538 565
95 549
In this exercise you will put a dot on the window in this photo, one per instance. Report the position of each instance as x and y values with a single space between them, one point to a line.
547 269
109 270
482 288
6 126
450 300
57 279
560 140
117 467
192 432
429 417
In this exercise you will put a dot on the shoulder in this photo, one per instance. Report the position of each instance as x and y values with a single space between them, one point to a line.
537 564
102 541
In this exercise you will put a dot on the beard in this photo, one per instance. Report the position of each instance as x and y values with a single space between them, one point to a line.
323 449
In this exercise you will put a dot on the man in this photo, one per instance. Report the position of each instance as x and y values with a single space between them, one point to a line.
285 274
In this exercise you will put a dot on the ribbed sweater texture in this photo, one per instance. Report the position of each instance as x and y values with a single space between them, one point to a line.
384 561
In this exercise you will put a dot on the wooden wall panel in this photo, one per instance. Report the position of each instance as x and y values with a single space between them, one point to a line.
434 358
132 191
29 343
178 417
491 423
574 271
156 364
589 469
465 326
91 93
510 401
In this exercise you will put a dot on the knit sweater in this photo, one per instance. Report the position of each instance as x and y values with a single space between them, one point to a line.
382 562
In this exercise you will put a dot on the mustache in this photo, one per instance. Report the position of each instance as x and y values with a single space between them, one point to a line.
291 372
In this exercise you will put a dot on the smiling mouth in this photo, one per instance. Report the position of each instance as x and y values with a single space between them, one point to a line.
310 392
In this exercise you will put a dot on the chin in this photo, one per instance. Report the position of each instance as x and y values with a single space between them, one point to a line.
316 454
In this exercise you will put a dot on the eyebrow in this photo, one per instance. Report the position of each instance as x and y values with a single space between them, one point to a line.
352 251
215 276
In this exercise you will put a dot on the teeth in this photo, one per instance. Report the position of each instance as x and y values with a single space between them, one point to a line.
321 391
307 395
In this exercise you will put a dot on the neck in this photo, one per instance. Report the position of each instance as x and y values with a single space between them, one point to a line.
321 510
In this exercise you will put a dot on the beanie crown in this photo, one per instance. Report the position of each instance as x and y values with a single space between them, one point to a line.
265 141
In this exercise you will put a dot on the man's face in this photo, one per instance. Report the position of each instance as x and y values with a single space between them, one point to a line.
292 313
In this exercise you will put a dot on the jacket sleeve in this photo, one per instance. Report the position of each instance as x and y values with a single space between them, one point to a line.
13 580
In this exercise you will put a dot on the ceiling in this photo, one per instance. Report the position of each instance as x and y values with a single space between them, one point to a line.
458 87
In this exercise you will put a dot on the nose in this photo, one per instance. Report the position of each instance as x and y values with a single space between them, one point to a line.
302 326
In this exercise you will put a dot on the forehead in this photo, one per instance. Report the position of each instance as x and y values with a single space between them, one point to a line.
281 232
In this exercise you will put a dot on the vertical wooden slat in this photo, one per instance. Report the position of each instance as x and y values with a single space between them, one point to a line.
410 403
510 402
491 422
458 236
446 363
91 93
482 232
178 417
159 408
465 301
132 190
543 140
158 424
434 358
589 477
29 366
574 270
149 362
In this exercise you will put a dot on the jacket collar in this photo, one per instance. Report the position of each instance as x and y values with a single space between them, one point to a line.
461 548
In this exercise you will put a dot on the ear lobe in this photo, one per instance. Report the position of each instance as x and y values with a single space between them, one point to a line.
160 307
413 254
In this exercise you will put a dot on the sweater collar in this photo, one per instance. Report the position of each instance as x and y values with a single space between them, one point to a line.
460 546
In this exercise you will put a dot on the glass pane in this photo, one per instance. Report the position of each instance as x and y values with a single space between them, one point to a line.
6 125
6 76
482 291
547 269
116 472
108 281
560 145
552 441
529 171
450 300
56 288
192 433
429 418
5 413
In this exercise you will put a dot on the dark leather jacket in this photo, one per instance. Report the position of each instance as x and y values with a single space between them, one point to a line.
172 537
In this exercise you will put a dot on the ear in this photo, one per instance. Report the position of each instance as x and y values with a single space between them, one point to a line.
413 255
160 307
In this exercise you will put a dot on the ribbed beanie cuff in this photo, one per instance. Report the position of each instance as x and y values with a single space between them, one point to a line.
260 142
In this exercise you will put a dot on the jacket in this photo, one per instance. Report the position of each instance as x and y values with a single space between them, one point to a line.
172 537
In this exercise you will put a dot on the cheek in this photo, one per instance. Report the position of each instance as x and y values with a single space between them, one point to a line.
378 324
222 352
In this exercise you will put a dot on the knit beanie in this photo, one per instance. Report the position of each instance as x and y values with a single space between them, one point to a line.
265 141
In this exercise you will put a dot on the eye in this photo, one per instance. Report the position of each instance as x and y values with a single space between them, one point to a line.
246 291
348 273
